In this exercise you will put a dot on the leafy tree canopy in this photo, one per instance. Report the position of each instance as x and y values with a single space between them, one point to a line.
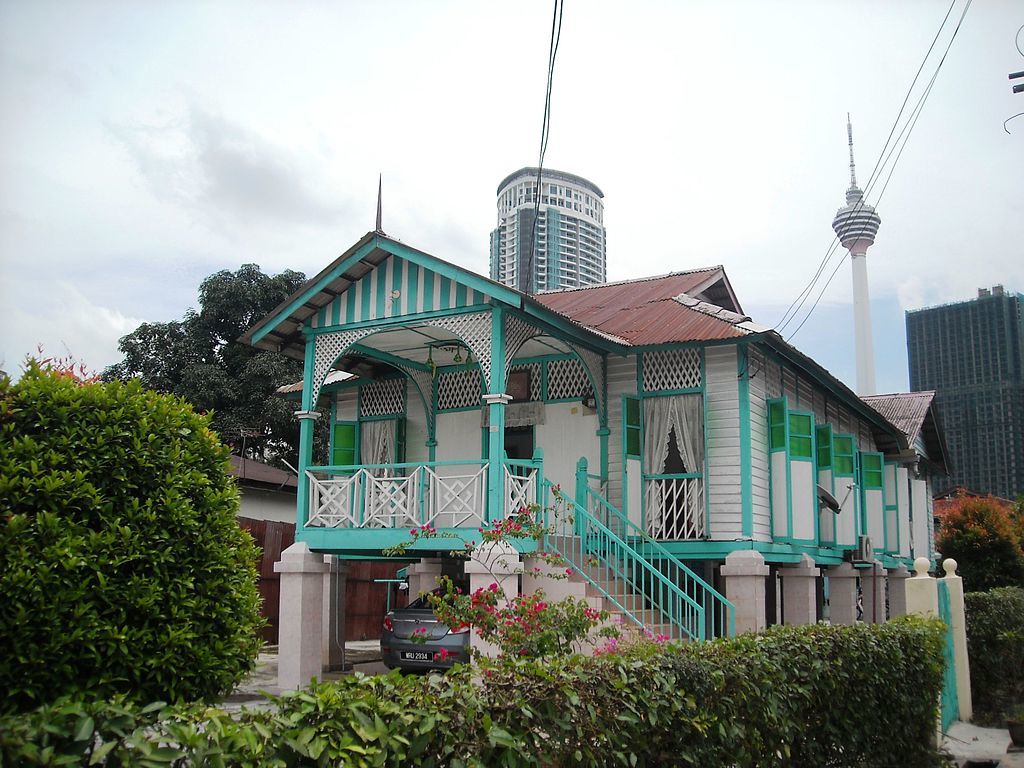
980 534
199 358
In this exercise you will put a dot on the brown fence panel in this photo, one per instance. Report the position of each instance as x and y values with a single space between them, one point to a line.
365 600
272 538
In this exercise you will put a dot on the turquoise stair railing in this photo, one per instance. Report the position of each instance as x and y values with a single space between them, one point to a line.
622 576
718 611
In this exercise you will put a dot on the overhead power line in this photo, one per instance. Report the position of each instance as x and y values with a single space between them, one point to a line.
886 152
901 143
545 133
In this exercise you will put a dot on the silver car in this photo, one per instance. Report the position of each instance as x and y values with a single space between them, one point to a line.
414 640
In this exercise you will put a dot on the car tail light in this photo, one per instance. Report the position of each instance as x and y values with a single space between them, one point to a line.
388 624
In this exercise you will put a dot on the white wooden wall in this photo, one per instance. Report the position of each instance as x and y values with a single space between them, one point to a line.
722 420
760 483
621 381
569 431
921 525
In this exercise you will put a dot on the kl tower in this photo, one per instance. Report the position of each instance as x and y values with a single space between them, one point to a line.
856 225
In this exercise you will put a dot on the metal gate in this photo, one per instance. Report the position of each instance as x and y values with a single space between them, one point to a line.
950 707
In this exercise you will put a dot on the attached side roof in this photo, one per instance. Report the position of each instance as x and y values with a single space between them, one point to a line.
915 414
696 305
252 472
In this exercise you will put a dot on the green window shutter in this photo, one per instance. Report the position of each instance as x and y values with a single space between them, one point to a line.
631 427
344 443
801 442
871 474
842 455
400 440
823 436
777 425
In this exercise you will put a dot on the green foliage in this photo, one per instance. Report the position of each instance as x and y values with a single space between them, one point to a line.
979 534
200 359
795 696
122 567
995 645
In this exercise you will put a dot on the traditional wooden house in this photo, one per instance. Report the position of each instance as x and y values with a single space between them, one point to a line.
681 432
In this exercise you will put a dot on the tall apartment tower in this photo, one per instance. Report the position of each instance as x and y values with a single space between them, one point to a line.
567 249
856 225
972 354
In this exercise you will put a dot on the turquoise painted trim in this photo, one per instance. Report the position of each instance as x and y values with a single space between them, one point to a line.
380 280
640 374
397 268
746 454
428 291
498 291
460 295
565 330
314 289
670 392
496 420
305 438
413 288
446 293
402 321
372 541
602 435
544 381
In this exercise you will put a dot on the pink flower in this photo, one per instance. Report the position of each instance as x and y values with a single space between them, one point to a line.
412 531
493 587
568 571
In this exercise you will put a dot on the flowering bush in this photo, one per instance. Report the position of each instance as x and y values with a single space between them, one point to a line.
521 625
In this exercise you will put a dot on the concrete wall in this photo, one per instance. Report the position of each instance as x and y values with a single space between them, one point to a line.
267 504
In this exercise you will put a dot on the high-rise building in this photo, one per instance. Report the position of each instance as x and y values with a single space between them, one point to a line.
564 248
856 225
972 354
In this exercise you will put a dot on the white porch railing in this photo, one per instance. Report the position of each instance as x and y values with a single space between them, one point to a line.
521 489
674 506
442 494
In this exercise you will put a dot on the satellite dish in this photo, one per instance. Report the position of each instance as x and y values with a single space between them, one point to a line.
826 499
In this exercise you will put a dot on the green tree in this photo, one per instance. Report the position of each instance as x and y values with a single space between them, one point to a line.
980 535
122 568
200 359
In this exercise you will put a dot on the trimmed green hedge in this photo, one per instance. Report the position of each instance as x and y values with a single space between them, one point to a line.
122 567
995 646
794 696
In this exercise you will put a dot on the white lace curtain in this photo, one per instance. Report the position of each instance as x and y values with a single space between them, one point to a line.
684 414
377 445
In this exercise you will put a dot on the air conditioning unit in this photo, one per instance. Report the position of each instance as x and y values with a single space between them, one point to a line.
864 553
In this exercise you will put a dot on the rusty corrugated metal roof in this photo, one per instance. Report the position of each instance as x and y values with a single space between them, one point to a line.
906 410
653 310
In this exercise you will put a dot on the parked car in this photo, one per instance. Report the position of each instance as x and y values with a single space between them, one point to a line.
439 648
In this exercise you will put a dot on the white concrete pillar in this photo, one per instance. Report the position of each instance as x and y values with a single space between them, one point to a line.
300 644
496 563
745 572
842 594
872 589
961 662
423 576
799 592
333 645
898 591
922 591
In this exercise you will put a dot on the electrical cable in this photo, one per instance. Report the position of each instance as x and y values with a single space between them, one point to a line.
904 134
801 298
545 132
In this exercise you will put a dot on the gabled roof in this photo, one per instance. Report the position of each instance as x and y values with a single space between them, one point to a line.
696 305
252 472
914 413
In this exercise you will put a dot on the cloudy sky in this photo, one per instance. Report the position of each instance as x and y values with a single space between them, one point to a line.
144 146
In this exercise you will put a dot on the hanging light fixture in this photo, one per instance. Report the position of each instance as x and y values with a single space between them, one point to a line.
458 355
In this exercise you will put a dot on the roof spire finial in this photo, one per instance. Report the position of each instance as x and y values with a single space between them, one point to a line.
380 181
849 135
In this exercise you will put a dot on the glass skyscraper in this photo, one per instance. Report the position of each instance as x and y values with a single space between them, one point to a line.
564 248
972 354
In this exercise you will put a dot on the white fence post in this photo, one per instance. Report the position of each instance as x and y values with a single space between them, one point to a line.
955 585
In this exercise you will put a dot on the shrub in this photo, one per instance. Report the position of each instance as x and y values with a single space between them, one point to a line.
995 645
816 696
122 568
979 534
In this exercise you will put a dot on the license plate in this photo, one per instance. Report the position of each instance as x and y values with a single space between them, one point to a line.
416 655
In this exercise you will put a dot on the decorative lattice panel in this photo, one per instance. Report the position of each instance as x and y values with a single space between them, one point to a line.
475 330
329 347
517 333
382 398
567 379
459 389
534 369
671 369
422 392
